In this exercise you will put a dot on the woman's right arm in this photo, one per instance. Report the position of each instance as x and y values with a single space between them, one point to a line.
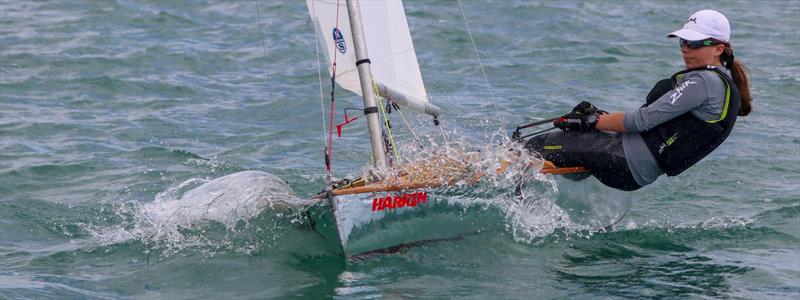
611 122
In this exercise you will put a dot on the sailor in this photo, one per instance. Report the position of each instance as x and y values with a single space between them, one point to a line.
684 118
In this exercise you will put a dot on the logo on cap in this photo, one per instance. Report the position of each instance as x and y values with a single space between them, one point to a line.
694 20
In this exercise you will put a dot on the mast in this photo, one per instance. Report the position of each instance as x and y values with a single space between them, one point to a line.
365 77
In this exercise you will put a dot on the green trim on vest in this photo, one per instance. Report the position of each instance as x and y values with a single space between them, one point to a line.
680 77
727 99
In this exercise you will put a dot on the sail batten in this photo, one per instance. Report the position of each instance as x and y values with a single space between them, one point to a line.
391 50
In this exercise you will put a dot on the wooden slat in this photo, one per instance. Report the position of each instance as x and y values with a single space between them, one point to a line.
427 177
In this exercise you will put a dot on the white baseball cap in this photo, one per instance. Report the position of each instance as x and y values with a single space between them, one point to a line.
704 24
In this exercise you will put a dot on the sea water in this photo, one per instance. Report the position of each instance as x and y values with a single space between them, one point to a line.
166 149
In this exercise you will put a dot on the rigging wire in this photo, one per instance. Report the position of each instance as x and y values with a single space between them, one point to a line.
444 136
410 129
319 77
480 63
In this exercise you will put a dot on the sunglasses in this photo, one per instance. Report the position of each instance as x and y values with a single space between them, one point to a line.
699 44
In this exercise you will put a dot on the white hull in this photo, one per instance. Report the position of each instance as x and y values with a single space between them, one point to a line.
364 223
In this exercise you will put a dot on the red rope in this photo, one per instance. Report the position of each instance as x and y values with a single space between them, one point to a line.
330 126
333 87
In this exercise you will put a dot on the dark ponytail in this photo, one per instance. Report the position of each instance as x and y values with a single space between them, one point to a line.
739 74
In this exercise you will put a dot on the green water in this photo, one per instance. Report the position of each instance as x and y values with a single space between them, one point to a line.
112 112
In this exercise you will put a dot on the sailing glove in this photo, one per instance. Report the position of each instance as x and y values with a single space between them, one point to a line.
575 122
583 117
586 108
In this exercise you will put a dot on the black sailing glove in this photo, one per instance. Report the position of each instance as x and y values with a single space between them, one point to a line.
575 122
586 108
583 117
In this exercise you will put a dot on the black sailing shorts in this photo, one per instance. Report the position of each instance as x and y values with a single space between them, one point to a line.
599 152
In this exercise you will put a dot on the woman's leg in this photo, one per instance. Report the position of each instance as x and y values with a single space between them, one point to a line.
600 153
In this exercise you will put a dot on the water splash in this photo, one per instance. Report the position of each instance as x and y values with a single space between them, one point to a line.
526 199
243 212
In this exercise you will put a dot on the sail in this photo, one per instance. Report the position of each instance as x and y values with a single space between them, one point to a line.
391 52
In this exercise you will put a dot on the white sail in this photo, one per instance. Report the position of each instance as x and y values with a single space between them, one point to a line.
391 51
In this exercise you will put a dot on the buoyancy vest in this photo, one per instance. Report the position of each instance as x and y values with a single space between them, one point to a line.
683 141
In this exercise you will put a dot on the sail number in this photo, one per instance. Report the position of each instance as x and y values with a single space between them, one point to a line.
338 38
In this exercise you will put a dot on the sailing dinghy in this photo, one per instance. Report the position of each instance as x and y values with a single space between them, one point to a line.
399 204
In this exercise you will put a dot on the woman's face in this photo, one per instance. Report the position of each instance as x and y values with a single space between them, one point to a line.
703 56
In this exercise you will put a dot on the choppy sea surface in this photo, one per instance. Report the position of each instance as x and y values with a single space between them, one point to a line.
165 149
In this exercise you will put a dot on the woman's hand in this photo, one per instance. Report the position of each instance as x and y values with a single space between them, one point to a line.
583 117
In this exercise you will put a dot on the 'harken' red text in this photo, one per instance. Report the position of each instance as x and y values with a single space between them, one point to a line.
392 202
